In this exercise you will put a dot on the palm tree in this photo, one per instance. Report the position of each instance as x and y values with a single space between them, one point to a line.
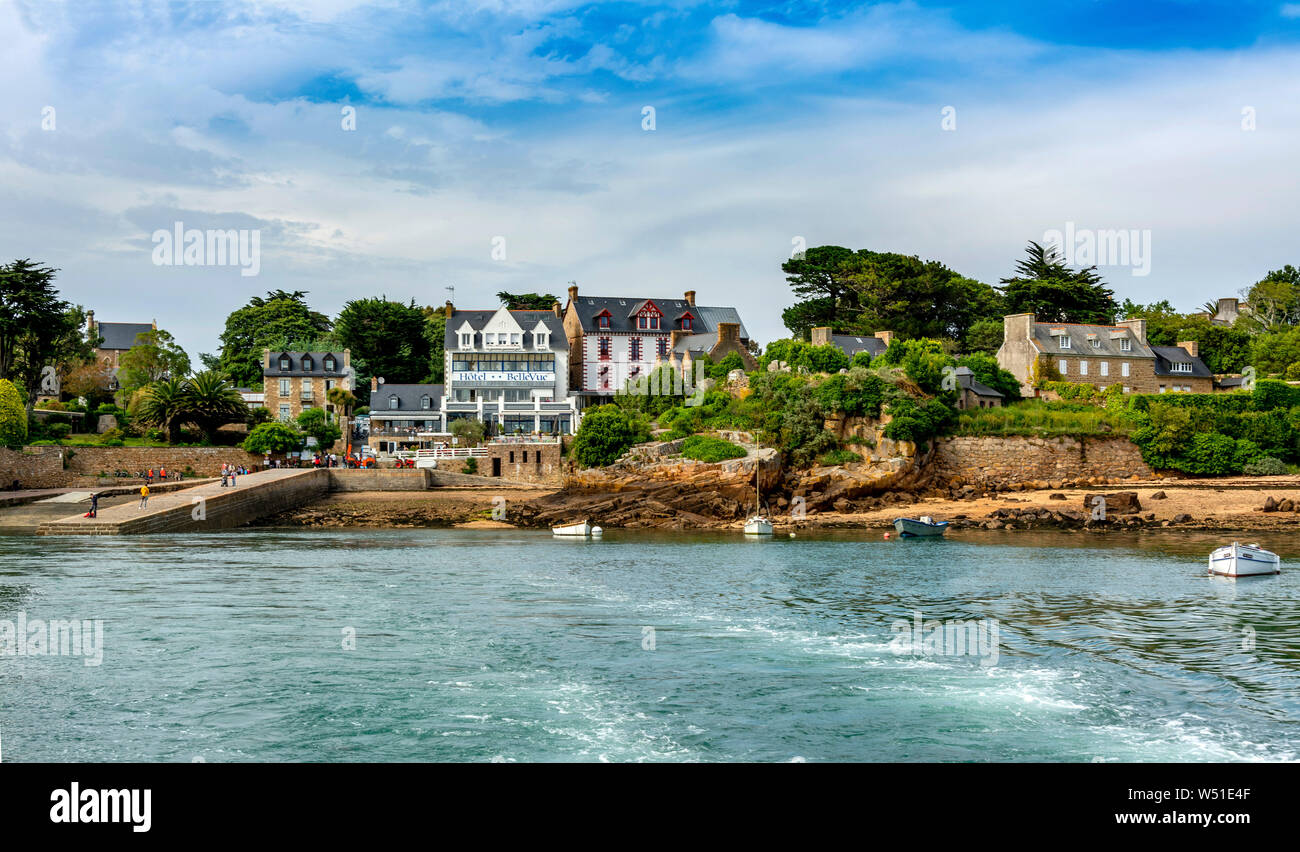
211 402
165 405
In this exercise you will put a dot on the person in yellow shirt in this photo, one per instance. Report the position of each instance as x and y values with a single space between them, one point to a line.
144 496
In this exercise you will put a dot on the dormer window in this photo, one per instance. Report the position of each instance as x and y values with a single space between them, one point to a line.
466 341
1125 344
285 363
425 402
392 403
686 323
1065 341
307 363
331 365
1096 344
603 321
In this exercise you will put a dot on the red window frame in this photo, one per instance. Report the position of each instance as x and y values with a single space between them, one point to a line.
605 347
661 346
634 349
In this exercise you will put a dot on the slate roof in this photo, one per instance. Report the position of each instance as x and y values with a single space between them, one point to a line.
852 345
296 365
121 335
408 400
623 314
1046 336
696 343
1167 355
966 379
527 321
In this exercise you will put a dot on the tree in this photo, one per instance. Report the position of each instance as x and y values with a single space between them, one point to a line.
387 339
467 431
315 423
1274 300
435 331
13 416
821 274
607 432
343 401
36 326
280 316
155 357
273 437
164 406
985 336
527 301
210 402
1047 288
1221 348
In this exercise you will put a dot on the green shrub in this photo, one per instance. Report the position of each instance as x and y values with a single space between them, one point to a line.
1269 394
112 435
471 466
114 442
607 431
58 431
706 449
273 438
918 421
836 457
13 415
1264 466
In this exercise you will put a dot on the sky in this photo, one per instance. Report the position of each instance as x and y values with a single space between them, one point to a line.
509 145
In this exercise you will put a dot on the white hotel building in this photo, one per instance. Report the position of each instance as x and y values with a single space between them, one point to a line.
509 369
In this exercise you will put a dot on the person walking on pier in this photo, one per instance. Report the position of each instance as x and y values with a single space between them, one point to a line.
233 471
144 496
94 505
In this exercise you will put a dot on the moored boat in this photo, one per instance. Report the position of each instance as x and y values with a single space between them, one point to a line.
582 530
917 527
1244 560
758 525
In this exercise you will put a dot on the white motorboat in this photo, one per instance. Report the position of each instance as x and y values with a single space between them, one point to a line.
924 526
580 530
1244 560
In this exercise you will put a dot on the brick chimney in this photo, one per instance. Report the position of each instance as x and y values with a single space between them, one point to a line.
887 337
347 358
559 312
1138 327
90 323
1191 347
573 293
675 337
729 332
690 298
448 309
374 384
821 335
266 359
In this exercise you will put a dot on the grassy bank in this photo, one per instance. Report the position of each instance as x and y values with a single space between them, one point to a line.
1037 418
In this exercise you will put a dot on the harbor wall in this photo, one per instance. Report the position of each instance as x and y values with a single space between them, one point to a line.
32 467
1041 462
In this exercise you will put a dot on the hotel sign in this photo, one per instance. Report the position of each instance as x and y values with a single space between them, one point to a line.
502 378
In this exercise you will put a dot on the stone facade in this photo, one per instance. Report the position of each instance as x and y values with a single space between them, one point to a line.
1015 460
296 381
540 463
34 467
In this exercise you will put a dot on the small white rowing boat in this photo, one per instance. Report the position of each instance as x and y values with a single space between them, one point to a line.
1244 560
581 530
913 527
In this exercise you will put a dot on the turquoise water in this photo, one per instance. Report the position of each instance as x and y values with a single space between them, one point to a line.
486 645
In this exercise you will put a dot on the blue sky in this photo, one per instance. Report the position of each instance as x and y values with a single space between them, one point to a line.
481 124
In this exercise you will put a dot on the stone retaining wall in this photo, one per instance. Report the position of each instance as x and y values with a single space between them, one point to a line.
33 467
344 479
1015 460
205 461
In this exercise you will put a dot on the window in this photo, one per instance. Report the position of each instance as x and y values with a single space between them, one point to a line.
1125 345
643 323
1064 366
392 402
1127 389
284 387
1096 343
634 349
1123 370
1065 341
425 402
604 321
466 341
514 340
1162 388
307 363
661 347
1083 368
686 323
284 413
604 348
654 323
490 339
1105 368
284 363
542 340
1182 367
331 365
